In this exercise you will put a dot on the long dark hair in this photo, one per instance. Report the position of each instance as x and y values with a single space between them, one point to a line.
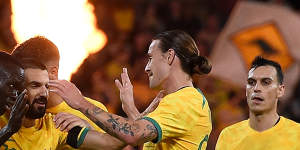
186 50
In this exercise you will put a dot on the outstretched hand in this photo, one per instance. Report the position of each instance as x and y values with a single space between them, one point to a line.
126 92
66 121
68 91
18 110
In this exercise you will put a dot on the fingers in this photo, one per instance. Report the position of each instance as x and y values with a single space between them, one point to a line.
74 124
58 92
66 121
20 102
126 76
57 84
62 120
63 126
118 84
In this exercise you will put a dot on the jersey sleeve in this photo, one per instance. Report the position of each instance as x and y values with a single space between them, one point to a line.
223 142
172 118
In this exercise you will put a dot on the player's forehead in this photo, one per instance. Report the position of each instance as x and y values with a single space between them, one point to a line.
36 75
262 72
154 47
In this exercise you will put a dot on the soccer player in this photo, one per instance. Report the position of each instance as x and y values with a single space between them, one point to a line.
43 50
46 52
36 126
181 120
38 129
265 129
11 85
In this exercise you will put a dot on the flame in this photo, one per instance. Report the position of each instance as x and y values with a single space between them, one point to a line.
70 24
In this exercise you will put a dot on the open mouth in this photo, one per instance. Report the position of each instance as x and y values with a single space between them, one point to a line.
257 98
41 101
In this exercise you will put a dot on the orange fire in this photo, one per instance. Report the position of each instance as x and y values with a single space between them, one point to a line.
70 24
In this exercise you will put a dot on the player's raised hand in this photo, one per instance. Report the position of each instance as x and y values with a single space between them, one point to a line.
126 92
18 110
68 91
66 121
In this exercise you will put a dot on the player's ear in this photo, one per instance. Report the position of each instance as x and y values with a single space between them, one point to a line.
53 72
171 56
280 91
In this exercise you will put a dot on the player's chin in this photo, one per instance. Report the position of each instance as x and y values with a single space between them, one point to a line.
36 113
257 109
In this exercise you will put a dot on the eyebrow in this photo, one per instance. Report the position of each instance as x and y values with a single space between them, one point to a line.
267 78
34 82
264 78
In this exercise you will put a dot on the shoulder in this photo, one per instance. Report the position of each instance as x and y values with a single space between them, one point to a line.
235 128
290 123
96 103
188 93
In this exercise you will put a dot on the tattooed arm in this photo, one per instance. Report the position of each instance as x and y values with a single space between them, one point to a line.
132 132
96 140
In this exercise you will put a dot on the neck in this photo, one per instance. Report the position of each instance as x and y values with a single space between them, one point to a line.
54 100
262 122
177 80
27 122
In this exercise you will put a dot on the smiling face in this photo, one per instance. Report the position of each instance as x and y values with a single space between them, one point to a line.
11 85
157 66
263 89
37 86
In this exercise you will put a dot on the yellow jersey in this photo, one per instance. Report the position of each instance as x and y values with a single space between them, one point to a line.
182 120
64 107
42 136
240 136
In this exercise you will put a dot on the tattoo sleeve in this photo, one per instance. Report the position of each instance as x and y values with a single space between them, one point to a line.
133 132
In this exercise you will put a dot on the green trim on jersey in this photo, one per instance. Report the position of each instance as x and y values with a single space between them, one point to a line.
82 136
156 125
203 98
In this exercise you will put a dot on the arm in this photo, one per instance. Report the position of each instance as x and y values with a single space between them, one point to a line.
130 131
93 139
15 120
96 140
126 96
66 121
5 134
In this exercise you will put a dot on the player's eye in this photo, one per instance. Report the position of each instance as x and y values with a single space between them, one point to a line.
47 86
251 82
12 87
266 81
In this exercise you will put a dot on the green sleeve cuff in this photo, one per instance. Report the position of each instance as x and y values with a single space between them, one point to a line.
82 136
158 129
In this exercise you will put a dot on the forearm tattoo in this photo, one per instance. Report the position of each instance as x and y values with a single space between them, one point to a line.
116 125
